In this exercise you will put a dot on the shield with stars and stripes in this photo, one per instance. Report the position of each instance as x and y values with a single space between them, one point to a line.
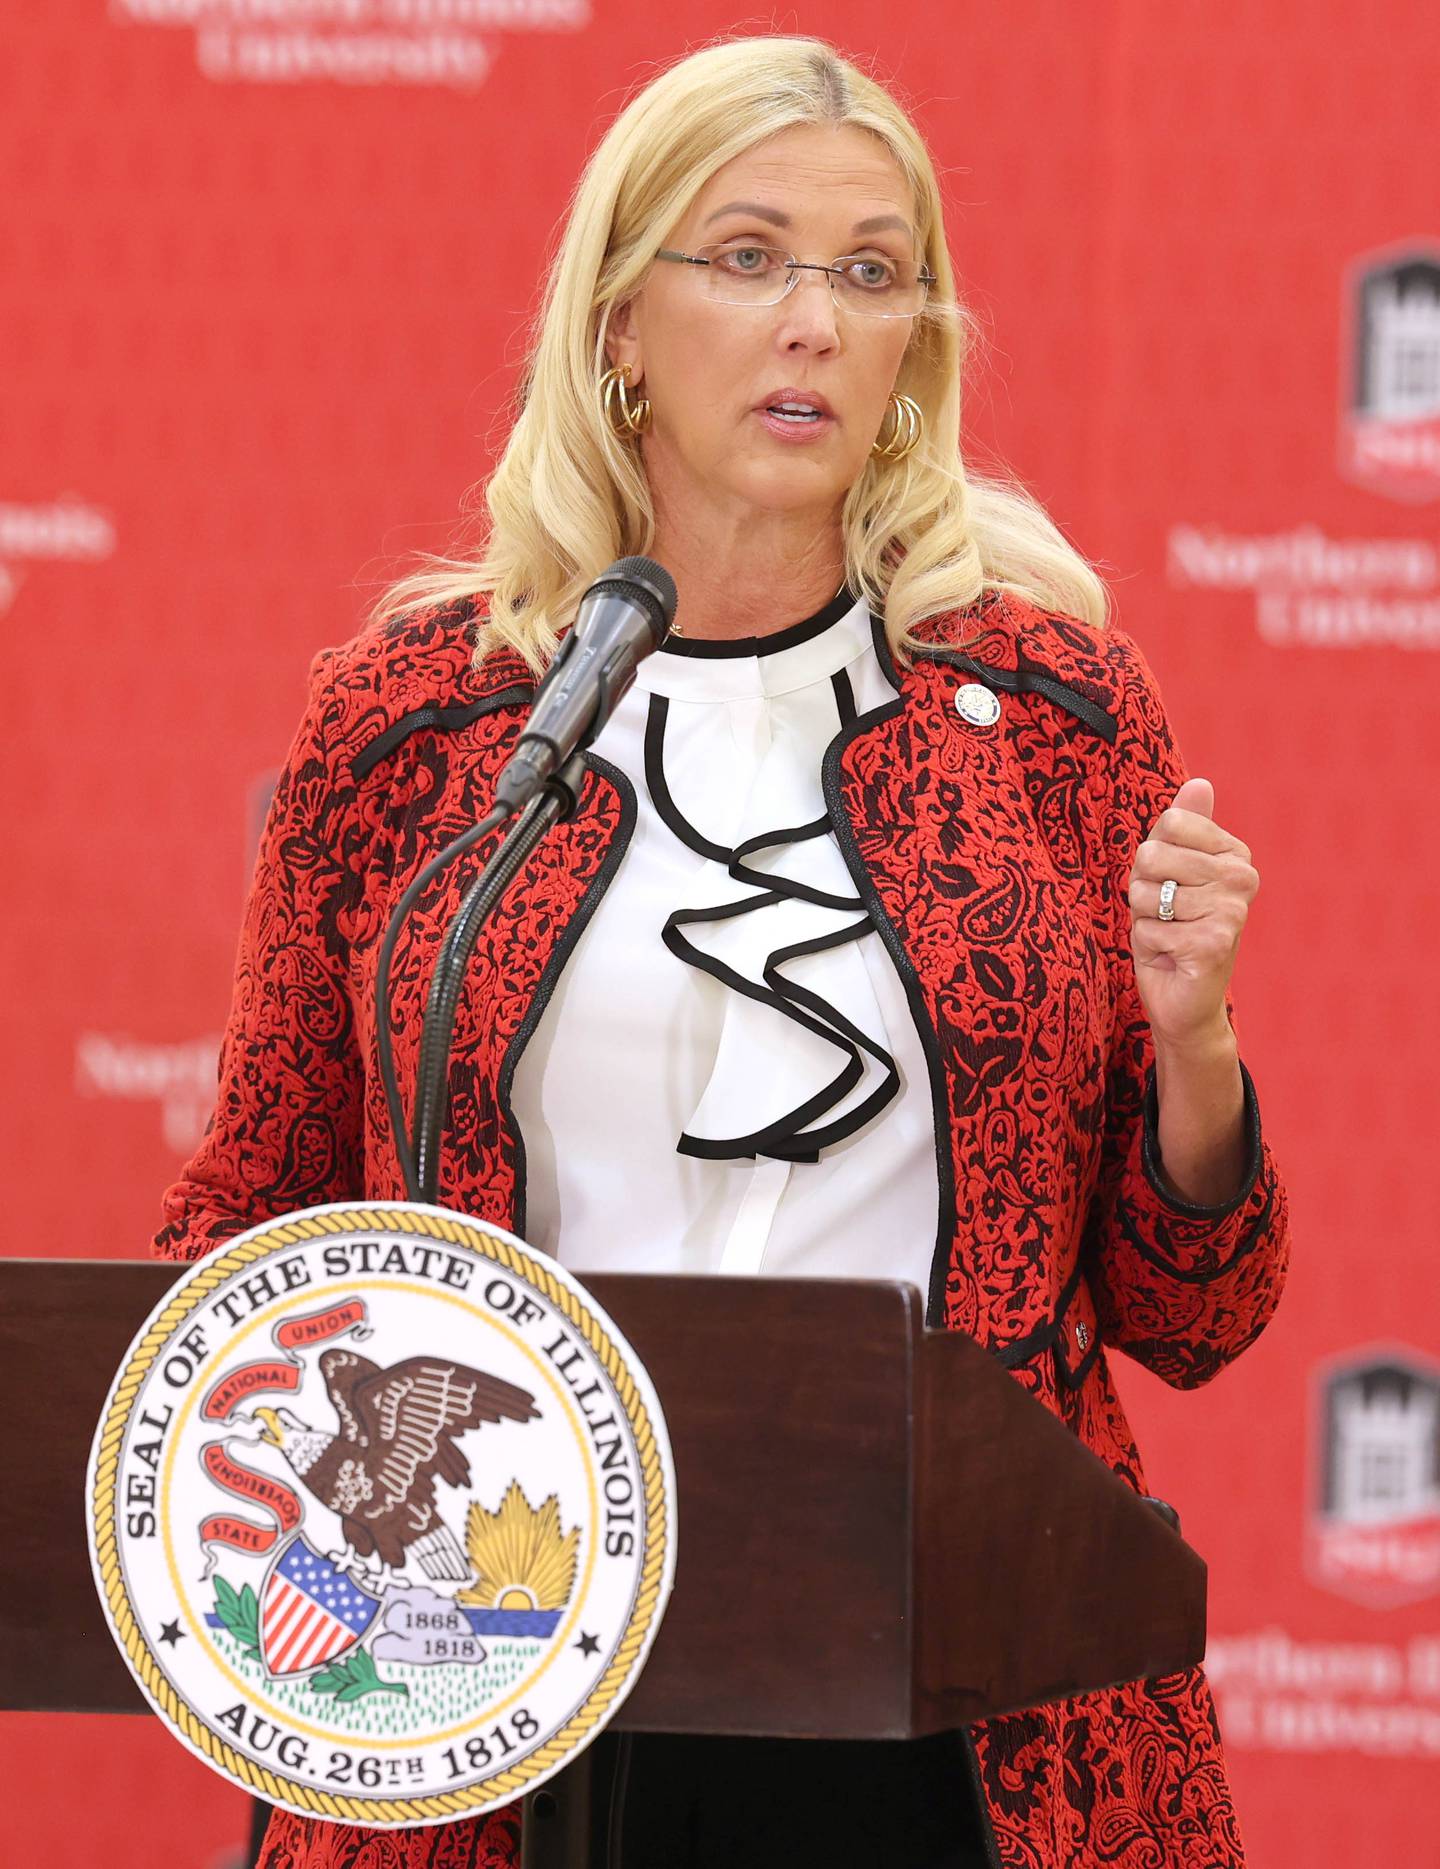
310 1612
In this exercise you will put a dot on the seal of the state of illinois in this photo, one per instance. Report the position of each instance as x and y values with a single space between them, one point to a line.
382 1513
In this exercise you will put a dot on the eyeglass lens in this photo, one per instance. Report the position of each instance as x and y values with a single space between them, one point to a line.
872 283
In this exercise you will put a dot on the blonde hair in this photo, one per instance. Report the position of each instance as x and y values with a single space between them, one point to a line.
568 496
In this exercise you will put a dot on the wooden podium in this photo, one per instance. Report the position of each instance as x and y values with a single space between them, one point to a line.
880 1534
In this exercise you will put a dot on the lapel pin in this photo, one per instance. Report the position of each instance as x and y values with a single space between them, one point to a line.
978 704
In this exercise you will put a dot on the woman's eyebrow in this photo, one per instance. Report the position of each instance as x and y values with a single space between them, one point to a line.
750 208
877 223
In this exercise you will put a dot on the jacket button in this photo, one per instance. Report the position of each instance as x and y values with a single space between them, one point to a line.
978 704
1082 1336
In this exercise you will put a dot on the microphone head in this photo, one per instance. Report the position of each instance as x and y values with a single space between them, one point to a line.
649 585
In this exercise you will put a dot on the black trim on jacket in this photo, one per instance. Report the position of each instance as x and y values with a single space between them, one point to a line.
446 719
555 966
1150 1159
904 966
1030 679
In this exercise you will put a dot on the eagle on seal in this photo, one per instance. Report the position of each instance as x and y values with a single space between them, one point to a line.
397 1429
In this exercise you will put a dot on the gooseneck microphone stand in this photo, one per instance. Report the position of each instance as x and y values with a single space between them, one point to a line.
554 803
419 1152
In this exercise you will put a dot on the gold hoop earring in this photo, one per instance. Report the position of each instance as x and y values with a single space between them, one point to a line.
906 427
634 417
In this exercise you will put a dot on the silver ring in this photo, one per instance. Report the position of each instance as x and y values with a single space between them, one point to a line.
1167 900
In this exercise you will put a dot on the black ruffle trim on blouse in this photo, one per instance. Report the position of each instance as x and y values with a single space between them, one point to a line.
789 1138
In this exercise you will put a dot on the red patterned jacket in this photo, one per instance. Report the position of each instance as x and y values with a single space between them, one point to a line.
994 861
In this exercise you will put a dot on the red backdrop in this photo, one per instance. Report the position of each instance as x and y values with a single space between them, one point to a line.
265 287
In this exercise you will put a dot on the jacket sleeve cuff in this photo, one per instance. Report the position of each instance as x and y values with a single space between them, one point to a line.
1192 1241
1150 1155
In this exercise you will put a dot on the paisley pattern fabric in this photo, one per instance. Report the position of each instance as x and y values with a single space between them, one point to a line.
473 1843
994 861
1133 1777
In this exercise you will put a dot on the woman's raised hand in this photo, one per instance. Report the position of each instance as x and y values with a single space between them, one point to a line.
1183 967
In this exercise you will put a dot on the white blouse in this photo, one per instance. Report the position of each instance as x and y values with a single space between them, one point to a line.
727 1077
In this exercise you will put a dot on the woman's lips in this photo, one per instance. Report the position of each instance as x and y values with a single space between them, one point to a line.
784 430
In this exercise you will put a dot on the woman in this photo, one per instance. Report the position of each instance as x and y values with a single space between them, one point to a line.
887 899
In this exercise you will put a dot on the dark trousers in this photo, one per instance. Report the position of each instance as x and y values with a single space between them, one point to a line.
700 1803
671 1801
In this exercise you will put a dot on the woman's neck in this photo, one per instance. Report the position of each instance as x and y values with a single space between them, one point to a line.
748 578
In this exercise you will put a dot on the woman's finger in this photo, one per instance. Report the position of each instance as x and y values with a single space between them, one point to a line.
1195 831
1189 905
1155 861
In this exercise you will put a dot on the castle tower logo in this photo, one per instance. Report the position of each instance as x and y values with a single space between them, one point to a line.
382 1514
1375 1524
1390 418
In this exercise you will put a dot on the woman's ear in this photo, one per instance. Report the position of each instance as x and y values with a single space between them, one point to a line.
622 343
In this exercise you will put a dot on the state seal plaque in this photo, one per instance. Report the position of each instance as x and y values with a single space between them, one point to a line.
382 1513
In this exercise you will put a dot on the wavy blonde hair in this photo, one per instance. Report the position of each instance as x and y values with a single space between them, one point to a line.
922 537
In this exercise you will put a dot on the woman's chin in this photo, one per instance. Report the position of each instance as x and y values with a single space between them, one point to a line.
791 485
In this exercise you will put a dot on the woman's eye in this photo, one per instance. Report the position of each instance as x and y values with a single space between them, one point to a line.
746 259
871 273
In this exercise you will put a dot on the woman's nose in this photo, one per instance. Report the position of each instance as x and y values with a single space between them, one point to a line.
810 309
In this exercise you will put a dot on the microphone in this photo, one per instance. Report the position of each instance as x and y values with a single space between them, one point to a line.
625 615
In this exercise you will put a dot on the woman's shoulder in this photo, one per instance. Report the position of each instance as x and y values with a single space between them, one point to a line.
1016 637
427 653
390 671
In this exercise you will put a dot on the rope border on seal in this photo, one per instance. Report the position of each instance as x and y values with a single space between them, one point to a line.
501 1787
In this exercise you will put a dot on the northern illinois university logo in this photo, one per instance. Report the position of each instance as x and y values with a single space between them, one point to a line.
1375 1530
1390 423
382 1514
